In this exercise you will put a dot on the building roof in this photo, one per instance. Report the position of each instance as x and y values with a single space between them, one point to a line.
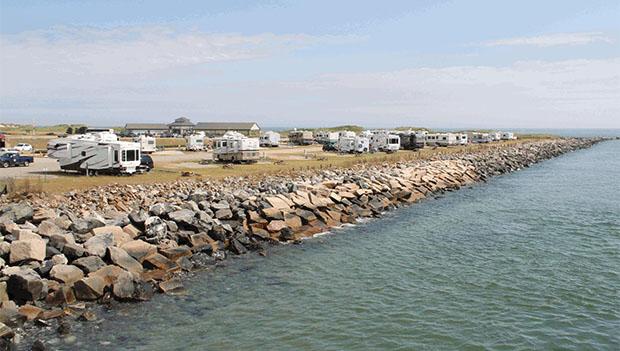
181 122
226 126
146 126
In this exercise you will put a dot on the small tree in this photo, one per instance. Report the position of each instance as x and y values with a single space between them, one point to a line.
70 130
82 130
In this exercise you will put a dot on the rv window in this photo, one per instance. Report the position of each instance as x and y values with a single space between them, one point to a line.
151 142
83 153
124 155
115 155
132 155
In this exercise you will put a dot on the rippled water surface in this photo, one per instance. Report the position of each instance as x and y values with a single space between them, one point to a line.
530 260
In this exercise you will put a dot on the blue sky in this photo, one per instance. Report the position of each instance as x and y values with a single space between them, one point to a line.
308 63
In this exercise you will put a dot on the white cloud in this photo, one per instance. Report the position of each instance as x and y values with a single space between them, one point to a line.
558 39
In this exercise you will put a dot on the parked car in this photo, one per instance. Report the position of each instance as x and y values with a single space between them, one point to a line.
146 164
14 159
22 147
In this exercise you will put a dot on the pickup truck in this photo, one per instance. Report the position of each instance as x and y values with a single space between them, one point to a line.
14 159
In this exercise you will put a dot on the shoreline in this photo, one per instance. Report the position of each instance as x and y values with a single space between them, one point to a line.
127 254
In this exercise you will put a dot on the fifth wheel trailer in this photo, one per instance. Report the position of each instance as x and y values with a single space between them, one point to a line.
235 147
95 153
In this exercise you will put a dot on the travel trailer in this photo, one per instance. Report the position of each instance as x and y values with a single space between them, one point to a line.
383 141
95 153
441 139
355 144
323 137
411 140
301 137
270 139
508 136
495 136
147 144
235 147
461 139
195 142
480 138
346 133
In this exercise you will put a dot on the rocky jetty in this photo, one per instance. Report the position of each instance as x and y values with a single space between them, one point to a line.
60 254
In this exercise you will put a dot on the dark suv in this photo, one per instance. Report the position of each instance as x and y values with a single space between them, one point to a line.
146 164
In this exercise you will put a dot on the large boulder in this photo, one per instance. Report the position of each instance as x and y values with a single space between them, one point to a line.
48 228
89 264
26 286
97 245
184 217
155 229
124 287
90 288
223 213
85 225
122 259
23 250
66 273
119 236
276 225
16 212
139 249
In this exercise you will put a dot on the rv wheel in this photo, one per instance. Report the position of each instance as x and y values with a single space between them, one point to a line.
93 173
26 164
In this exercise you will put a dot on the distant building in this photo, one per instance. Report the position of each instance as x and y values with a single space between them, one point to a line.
181 126
219 128
147 128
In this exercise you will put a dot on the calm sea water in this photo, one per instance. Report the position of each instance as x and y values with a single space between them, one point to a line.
529 260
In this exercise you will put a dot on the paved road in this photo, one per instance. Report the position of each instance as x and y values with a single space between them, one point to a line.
42 166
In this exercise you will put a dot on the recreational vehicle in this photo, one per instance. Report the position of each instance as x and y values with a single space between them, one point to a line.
323 137
346 133
411 140
95 153
147 144
270 139
508 136
480 138
441 139
300 137
495 136
383 141
235 147
195 142
355 144
461 139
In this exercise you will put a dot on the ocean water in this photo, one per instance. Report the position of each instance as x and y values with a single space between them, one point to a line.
529 260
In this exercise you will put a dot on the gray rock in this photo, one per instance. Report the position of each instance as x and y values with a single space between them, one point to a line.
97 245
89 264
26 286
224 213
155 229
16 212
122 259
182 217
66 273
85 225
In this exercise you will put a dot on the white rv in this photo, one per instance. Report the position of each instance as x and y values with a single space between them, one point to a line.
147 144
195 142
480 138
346 133
95 153
355 144
495 136
271 139
383 141
461 139
323 137
301 137
508 136
235 147
411 140
441 139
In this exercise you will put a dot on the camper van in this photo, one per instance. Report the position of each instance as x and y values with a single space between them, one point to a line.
355 144
95 153
508 136
411 140
270 139
441 139
147 144
195 142
235 147
301 137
